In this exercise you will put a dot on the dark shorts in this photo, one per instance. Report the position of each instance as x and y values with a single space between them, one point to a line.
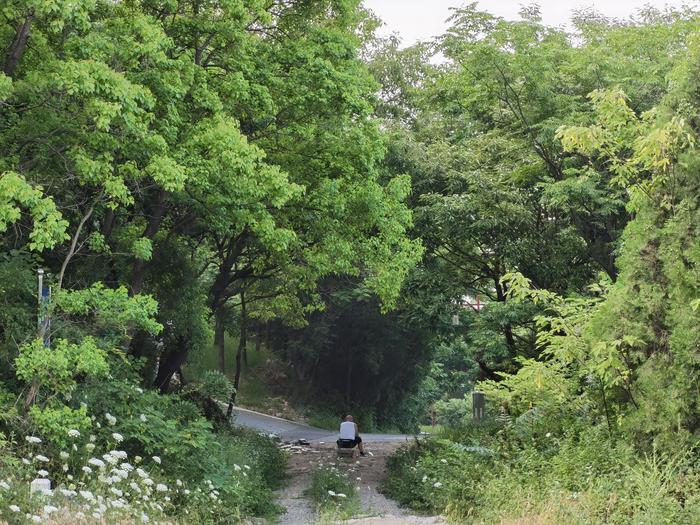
349 443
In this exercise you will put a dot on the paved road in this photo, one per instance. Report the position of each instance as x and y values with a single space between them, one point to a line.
291 431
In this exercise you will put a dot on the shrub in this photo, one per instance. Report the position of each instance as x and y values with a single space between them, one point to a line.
334 493
454 412
580 476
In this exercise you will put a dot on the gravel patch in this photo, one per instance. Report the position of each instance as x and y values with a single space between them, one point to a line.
376 509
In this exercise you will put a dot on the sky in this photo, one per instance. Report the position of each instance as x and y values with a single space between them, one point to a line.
416 20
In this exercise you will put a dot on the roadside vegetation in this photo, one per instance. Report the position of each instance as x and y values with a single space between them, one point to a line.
557 175
180 172
334 494
230 199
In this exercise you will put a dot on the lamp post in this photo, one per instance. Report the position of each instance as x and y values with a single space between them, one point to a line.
40 298
44 298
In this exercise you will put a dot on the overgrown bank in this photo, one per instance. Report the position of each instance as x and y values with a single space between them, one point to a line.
520 471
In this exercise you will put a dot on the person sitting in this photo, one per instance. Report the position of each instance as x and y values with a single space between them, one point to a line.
349 435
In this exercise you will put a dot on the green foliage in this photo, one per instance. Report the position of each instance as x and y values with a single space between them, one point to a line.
49 226
211 384
107 311
454 412
528 142
571 476
55 419
333 493
346 360
57 368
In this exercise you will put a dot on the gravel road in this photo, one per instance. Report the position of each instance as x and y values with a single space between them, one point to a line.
376 509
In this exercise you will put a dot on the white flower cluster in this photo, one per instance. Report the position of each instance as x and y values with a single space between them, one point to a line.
108 488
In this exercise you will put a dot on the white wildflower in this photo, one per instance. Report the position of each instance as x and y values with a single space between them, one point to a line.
161 488
110 419
14 508
142 473
236 467
87 469
33 439
117 437
26 461
143 418
157 459
443 461
178 483
437 484
96 462
4 485
90 447
134 486
48 509
116 492
43 473
139 390
331 493
73 433
148 482
425 478
68 493
109 458
44 459
120 454
64 455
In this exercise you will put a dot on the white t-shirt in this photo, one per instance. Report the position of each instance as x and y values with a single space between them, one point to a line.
347 430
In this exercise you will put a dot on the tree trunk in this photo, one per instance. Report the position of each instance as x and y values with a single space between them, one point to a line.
220 339
138 270
242 342
507 329
18 45
170 362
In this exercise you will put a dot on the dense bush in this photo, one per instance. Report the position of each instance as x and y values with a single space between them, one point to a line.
583 475
113 450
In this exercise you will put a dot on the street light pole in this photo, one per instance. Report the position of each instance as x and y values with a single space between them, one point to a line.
40 297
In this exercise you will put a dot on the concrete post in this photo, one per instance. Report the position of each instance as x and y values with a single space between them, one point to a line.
478 405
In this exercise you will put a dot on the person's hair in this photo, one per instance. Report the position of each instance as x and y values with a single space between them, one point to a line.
348 418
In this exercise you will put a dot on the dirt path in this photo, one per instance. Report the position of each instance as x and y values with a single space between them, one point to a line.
376 509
